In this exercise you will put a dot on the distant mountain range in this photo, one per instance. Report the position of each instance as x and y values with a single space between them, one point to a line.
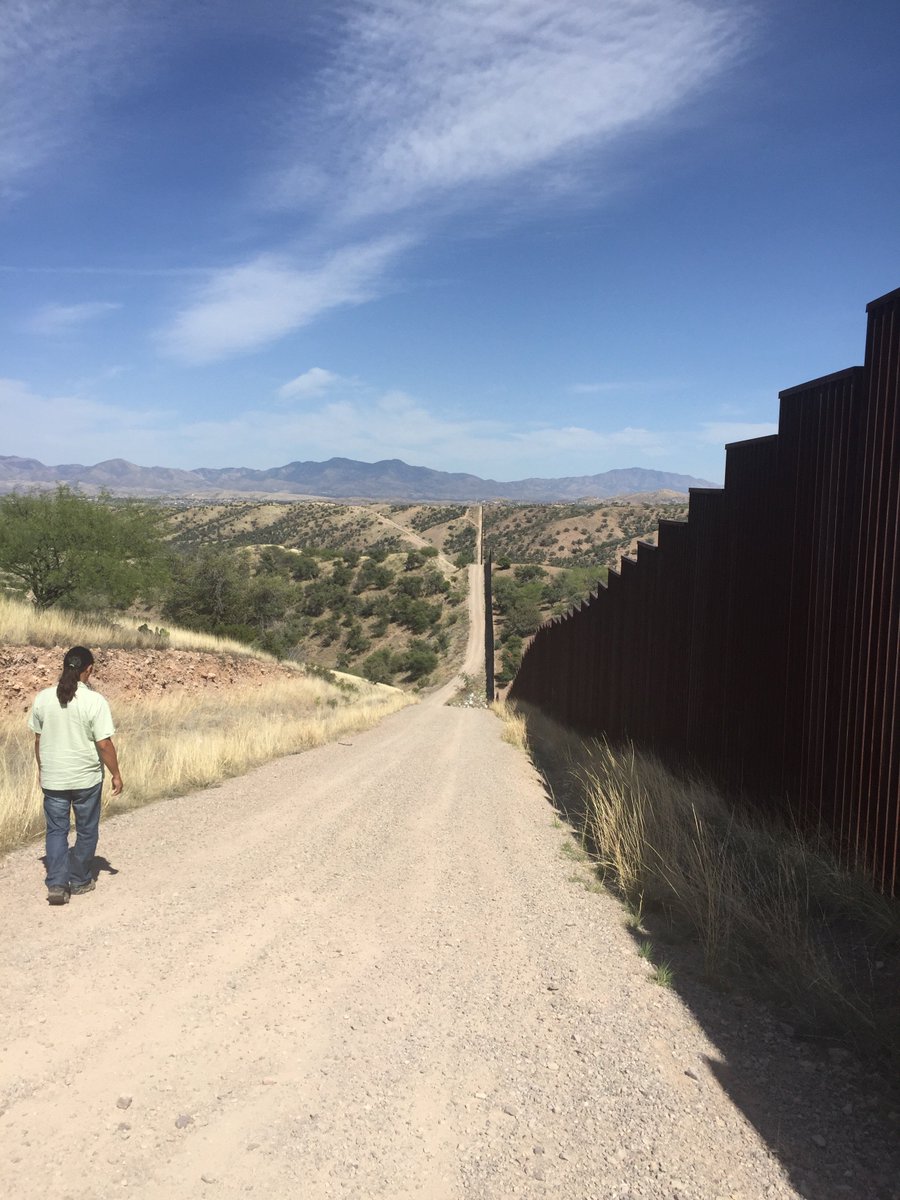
338 479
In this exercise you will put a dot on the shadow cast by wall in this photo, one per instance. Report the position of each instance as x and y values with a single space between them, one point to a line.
830 1117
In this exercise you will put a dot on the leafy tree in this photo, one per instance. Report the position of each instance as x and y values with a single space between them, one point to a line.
342 574
268 599
519 604
379 667
510 658
68 548
418 660
273 560
319 595
356 641
529 572
409 585
415 615
304 567
372 575
329 629
434 583
383 577
211 591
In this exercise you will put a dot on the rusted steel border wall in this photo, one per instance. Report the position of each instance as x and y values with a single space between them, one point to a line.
488 631
760 639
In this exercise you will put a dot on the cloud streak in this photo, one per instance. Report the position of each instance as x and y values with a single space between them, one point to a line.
421 110
44 423
442 101
56 60
252 304
396 425
313 382
355 425
55 319
428 109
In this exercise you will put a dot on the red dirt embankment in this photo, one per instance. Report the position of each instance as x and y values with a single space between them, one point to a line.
119 674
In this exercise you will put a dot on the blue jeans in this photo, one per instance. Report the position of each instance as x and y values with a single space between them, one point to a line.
65 867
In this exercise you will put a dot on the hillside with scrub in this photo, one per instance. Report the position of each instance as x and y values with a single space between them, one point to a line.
372 589
198 699
191 709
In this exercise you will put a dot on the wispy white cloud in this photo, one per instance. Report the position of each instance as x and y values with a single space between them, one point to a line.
358 425
56 60
313 382
436 101
78 428
249 305
61 318
615 387
428 108
397 425
417 109
578 443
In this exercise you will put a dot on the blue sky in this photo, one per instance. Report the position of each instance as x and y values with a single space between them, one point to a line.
511 237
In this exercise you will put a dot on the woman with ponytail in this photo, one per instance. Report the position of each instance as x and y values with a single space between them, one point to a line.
73 729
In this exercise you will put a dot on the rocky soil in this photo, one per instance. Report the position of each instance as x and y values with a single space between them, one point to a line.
24 670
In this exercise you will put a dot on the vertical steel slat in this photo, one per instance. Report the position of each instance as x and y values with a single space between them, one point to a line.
761 639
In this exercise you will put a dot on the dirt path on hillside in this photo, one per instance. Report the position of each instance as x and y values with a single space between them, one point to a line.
410 535
368 971
474 658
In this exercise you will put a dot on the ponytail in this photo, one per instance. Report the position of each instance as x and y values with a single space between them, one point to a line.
76 660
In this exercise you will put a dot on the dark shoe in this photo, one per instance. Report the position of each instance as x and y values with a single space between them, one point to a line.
57 895
81 888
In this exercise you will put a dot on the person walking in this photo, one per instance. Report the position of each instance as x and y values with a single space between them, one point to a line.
73 728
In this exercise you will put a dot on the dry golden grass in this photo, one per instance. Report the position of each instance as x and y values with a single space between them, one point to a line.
172 745
761 902
515 730
21 624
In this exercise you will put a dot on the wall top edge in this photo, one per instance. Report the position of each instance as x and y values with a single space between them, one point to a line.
887 298
822 381
759 441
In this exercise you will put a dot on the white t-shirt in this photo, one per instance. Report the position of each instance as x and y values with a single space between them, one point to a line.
69 755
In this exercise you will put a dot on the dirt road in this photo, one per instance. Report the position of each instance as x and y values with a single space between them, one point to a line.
366 971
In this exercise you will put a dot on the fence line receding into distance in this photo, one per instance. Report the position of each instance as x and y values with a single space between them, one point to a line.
760 640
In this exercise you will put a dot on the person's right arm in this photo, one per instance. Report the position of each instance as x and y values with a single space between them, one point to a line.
107 752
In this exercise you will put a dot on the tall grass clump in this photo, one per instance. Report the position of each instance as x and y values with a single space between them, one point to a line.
515 730
170 745
766 905
21 624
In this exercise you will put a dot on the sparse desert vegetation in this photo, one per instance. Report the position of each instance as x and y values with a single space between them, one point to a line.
376 589
549 557
21 624
574 535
